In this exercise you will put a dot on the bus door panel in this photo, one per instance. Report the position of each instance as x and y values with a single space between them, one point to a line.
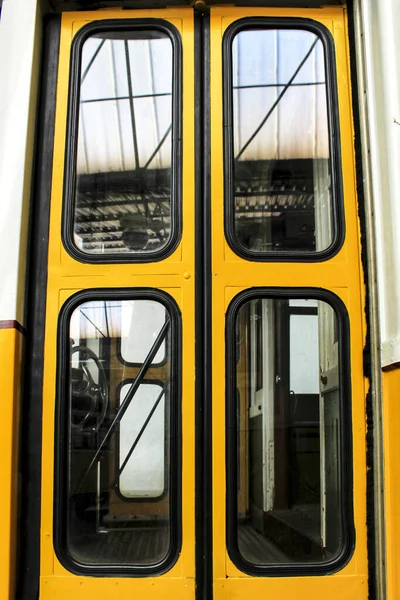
118 396
286 323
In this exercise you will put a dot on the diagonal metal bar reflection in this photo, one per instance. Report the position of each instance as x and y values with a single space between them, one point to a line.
279 98
273 85
129 396
164 137
99 47
91 322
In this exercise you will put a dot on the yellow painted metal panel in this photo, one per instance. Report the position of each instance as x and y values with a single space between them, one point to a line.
230 275
341 275
174 275
299 588
63 588
11 347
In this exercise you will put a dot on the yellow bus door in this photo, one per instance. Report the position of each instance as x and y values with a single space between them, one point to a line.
117 507
288 417
203 387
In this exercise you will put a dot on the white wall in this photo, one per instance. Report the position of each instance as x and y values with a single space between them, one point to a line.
20 35
381 29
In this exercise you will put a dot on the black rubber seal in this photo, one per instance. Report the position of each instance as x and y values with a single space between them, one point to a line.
203 321
32 400
346 465
338 221
60 506
112 26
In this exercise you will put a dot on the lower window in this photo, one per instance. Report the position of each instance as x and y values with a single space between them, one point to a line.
288 427
117 439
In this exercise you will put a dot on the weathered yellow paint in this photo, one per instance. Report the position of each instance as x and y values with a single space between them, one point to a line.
312 588
11 347
64 588
66 276
341 275
391 424
230 274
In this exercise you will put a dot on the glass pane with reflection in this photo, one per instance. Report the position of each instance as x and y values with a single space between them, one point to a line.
118 431
281 153
289 493
124 150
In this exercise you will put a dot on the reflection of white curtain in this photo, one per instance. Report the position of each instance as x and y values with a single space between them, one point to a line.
105 140
264 62
322 201
144 473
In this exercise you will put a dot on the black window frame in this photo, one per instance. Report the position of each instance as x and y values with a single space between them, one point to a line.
332 103
346 450
61 438
71 146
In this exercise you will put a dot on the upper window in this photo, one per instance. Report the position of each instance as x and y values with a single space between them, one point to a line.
122 177
282 171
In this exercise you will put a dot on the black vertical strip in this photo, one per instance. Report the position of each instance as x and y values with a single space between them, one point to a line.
204 580
31 434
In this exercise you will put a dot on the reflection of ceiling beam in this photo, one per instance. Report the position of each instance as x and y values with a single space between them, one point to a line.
249 175
116 98
264 189
101 218
276 85
128 182
270 194
91 61
110 200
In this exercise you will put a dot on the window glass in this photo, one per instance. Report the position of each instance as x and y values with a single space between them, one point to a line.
144 472
289 432
118 429
124 164
142 320
281 193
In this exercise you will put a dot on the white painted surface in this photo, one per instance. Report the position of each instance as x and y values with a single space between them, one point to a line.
381 27
304 361
142 321
20 34
143 475
268 403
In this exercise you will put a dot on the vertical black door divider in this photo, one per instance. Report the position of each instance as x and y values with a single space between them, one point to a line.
203 405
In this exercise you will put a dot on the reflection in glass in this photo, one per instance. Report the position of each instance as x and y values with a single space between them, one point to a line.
123 182
288 433
142 320
118 490
281 153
